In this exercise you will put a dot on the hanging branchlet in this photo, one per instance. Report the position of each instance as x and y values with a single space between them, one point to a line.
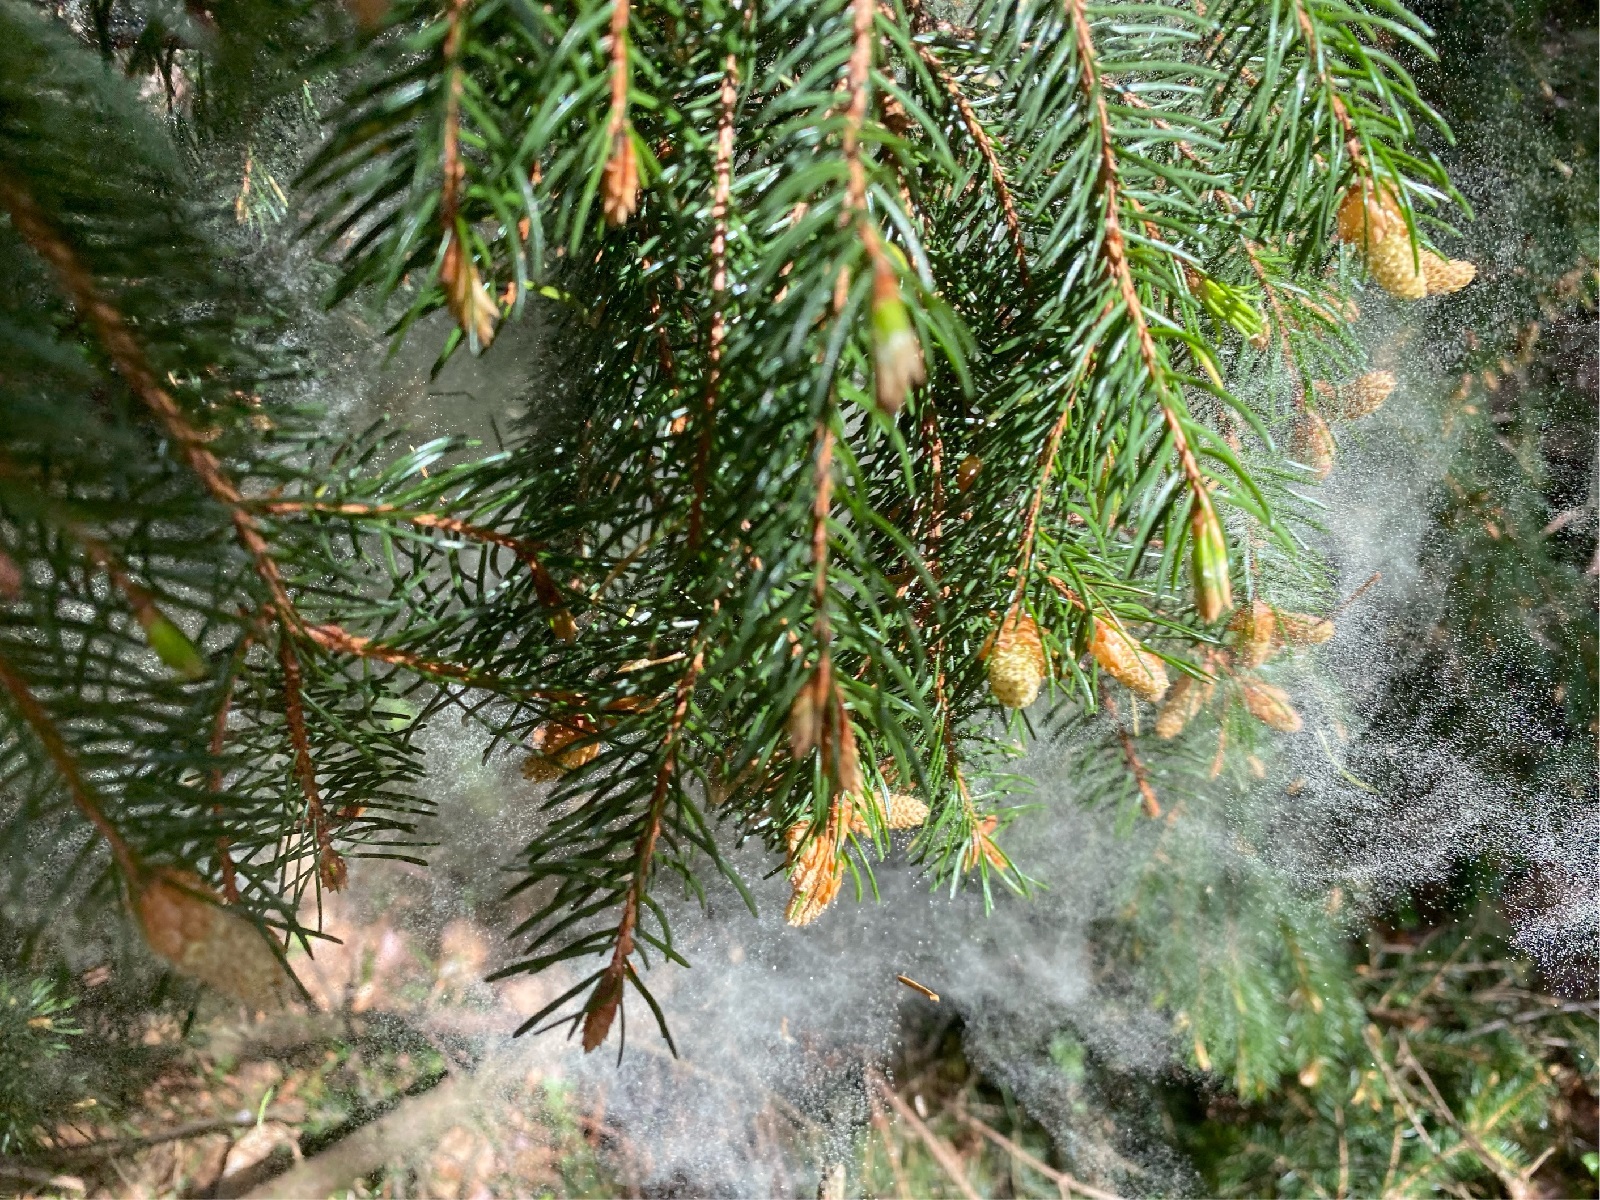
721 192
330 865
470 303
620 185
1213 591
606 999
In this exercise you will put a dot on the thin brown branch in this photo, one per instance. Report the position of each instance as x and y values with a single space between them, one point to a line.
980 137
607 996
860 77
330 865
1517 1184
55 746
943 1153
1030 522
1141 777
1116 257
1067 1184
1352 142
722 190
544 584
336 639
129 361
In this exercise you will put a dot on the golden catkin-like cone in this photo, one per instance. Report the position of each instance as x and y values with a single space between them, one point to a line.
1254 628
1126 661
1183 703
620 184
1368 214
1302 629
1446 275
209 943
1363 396
1270 705
1016 662
1395 264
905 812
815 875
1311 442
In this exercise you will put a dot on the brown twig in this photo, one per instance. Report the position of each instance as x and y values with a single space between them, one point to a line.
942 1152
1517 1184
544 584
1358 156
721 192
1115 250
985 144
1065 1183
330 865
129 360
1152 806
902 1189
607 995
1030 522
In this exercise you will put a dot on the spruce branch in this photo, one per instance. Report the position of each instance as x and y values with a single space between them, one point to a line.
606 998
129 361
722 190
1213 593
330 865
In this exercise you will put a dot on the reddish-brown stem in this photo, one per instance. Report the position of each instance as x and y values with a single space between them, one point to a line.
1141 777
722 190
1116 257
331 866
597 1021
819 527
1030 522
544 584
985 144
1352 141
129 361
44 728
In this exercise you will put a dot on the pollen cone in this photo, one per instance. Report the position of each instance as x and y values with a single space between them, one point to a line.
1311 442
1126 661
1302 629
1254 628
1016 662
1363 396
1270 705
1184 701
1446 275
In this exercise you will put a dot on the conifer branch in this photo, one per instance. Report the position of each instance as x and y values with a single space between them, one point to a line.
722 190
1030 521
544 584
1353 147
1114 249
980 137
1136 768
219 735
330 865
607 996
622 170
129 360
